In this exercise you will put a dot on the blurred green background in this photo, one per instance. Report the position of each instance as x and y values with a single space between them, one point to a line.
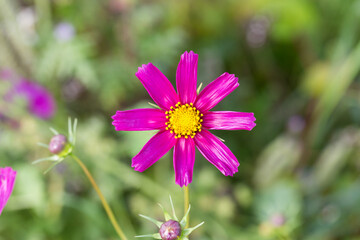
298 65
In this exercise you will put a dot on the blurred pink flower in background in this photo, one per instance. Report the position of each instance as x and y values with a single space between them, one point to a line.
39 100
184 120
7 180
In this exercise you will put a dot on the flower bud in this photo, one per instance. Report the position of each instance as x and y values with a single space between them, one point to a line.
57 144
170 230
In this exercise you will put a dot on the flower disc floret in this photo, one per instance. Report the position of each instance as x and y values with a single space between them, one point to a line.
184 120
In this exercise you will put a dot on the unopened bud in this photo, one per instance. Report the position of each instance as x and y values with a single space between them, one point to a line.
170 230
57 144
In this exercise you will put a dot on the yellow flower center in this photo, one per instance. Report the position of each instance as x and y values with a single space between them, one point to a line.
184 120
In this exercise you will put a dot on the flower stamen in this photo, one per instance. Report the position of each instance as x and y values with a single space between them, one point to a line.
184 120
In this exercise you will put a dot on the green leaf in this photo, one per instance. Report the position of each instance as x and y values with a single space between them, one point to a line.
188 231
183 220
155 235
173 209
156 222
166 214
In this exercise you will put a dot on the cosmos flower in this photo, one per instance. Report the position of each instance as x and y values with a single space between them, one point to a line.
184 120
7 180
40 101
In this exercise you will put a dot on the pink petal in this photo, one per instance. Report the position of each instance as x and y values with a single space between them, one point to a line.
227 120
139 120
7 180
186 77
153 150
216 91
157 85
216 152
184 159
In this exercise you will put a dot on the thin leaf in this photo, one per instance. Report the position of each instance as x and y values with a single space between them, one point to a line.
52 158
70 132
183 220
199 88
52 166
155 235
156 222
190 230
166 214
154 105
43 145
74 131
54 131
173 209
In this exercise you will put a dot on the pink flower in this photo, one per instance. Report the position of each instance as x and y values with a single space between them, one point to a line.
7 180
184 120
40 101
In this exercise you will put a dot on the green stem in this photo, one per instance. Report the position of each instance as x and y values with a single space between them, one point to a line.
186 204
102 198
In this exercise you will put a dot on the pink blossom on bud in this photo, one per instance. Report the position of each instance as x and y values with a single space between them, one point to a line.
57 144
170 230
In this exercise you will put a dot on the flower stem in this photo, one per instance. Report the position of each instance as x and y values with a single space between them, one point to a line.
102 198
186 204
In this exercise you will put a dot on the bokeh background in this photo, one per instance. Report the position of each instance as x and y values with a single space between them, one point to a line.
298 65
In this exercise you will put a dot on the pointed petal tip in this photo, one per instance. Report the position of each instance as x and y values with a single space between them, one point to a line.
8 170
230 172
137 167
253 123
189 54
252 126
183 182
231 76
235 170
116 115
144 66
142 69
